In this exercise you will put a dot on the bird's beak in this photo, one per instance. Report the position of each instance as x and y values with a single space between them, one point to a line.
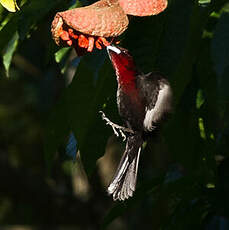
114 49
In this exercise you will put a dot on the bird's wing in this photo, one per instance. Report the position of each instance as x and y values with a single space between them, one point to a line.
158 97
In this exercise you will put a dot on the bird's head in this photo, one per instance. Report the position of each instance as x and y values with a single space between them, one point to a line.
121 59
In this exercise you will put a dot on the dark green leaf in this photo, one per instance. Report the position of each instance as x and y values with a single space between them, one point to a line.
86 96
220 46
8 54
57 130
120 208
8 31
32 13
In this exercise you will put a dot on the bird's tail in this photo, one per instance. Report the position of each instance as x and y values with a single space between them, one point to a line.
124 181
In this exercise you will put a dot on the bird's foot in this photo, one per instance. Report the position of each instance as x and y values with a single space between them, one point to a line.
117 128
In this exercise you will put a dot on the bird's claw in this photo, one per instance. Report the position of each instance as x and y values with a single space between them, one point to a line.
117 129
123 135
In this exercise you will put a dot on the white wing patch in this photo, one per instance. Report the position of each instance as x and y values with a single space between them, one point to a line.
162 106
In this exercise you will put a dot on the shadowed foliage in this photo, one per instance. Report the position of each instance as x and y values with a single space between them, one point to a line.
48 94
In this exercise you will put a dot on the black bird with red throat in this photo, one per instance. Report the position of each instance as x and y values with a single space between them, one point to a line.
144 101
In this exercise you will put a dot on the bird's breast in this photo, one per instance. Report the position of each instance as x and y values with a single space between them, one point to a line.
131 107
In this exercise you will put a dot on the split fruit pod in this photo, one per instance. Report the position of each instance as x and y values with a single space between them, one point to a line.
143 7
104 18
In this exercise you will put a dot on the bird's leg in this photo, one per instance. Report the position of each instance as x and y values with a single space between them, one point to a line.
117 128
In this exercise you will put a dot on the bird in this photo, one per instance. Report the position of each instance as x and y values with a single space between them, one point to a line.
144 102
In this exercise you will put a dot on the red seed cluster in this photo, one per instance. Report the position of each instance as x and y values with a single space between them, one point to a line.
81 42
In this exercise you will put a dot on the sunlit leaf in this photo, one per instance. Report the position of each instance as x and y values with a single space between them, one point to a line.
201 127
199 99
8 54
10 5
204 1
59 55
76 4
8 31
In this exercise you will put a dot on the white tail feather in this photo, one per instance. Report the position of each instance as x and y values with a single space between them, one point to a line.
124 182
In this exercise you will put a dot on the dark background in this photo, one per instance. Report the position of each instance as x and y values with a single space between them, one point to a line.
47 97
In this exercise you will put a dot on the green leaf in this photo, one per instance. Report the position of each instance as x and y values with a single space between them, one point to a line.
78 111
204 1
60 54
220 46
35 11
175 36
146 189
183 72
223 86
32 13
145 43
61 58
56 131
10 5
217 4
8 31
86 98
8 54
199 99
76 4
182 40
